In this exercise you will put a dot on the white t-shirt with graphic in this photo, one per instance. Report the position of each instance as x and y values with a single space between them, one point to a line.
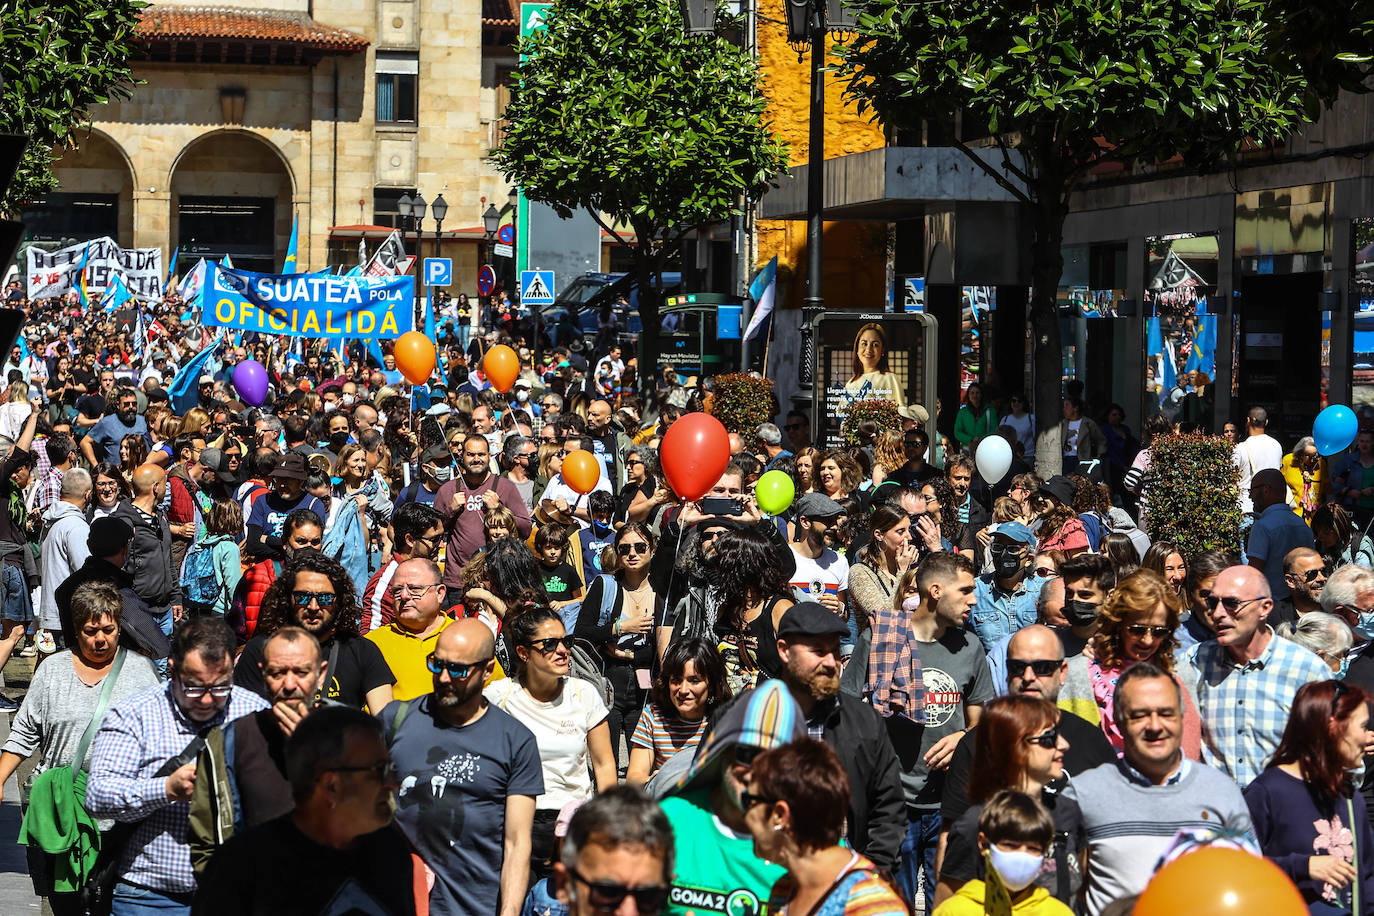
827 574
560 729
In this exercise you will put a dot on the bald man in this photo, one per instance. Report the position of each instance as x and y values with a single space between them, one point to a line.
156 581
1244 679
1277 529
1035 668
469 775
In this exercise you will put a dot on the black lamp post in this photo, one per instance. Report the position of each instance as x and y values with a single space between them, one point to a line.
440 209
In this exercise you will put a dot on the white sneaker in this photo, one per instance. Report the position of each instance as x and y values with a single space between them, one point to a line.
45 642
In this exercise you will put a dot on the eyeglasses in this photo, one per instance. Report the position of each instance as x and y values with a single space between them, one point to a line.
384 770
1046 739
408 590
456 670
1046 572
745 754
196 691
323 599
1313 574
550 644
631 462
640 547
607 896
1140 629
1231 603
1043 667
748 800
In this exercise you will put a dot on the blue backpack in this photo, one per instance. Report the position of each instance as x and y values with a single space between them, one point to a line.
199 581
609 589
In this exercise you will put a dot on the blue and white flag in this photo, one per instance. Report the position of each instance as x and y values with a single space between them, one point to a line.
289 266
191 285
183 392
116 294
763 291
172 267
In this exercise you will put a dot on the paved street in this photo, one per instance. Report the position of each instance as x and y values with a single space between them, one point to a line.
16 892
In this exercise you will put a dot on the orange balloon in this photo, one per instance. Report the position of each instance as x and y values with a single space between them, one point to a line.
502 367
1217 881
415 357
581 471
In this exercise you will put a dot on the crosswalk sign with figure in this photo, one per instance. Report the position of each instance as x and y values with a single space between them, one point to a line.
536 287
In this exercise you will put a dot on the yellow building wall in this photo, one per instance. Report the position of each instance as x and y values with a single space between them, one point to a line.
854 260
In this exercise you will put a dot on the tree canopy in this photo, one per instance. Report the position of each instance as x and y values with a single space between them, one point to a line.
60 58
616 111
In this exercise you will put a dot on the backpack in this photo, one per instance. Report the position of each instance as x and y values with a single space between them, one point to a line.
585 662
199 581
609 589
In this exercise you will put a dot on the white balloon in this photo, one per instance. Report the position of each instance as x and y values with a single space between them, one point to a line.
993 458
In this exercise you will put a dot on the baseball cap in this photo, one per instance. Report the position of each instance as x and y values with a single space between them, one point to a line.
206 380
915 412
439 410
1016 531
523 383
292 465
810 618
436 454
818 505
1060 487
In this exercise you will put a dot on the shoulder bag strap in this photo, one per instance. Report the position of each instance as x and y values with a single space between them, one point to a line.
328 672
396 722
106 690
1355 850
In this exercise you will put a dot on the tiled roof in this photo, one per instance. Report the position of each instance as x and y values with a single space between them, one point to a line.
498 14
190 23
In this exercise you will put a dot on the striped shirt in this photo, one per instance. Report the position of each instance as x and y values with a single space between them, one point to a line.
859 891
135 739
665 735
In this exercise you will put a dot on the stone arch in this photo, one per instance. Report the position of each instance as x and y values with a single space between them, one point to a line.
231 193
100 174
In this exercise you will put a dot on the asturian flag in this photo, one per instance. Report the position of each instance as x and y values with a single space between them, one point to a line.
289 266
763 291
116 294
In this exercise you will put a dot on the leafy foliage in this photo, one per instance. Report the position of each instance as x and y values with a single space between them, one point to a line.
880 410
741 402
1068 85
60 58
616 111
1192 495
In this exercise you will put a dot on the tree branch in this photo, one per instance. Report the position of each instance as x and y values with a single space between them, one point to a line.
610 229
995 175
1006 160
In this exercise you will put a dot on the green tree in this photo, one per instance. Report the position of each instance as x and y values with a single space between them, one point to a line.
616 111
1191 491
60 58
1067 85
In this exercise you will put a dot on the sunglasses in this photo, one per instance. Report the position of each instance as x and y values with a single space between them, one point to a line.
1043 667
1140 629
1046 572
1046 739
626 549
746 753
607 896
384 770
550 644
456 670
303 599
792 427
1313 574
1231 603
196 691
748 800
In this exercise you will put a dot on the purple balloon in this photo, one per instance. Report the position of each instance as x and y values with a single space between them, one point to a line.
250 381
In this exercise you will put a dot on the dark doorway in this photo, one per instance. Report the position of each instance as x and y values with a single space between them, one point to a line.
244 228
1280 350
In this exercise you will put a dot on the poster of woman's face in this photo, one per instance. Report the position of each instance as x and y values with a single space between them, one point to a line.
866 358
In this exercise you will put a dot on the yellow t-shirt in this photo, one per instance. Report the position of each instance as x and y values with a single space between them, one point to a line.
406 654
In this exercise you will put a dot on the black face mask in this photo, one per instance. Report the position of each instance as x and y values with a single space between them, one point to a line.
338 440
1006 563
1080 613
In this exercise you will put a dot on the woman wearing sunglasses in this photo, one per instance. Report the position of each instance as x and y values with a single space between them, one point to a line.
1137 624
1017 745
567 717
617 617
794 805
1308 815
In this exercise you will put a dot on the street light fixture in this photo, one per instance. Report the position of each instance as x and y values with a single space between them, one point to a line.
440 210
491 221
403 206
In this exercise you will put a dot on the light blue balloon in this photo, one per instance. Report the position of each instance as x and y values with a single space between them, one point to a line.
1334 429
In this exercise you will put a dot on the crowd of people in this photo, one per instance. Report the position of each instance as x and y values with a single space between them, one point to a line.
364 648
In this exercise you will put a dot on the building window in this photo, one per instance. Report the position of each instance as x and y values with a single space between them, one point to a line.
384 209
63 217
504 77
397 87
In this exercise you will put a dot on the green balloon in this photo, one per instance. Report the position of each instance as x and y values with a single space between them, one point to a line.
775 491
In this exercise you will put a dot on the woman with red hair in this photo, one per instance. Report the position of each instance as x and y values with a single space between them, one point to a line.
1017 745
1308 818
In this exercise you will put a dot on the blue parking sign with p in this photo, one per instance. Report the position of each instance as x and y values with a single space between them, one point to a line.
438 271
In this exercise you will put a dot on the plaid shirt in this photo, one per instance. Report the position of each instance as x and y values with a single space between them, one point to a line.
49 489
1244 707
135 739
895 686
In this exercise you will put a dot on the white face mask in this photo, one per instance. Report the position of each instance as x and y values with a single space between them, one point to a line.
347 399
522 394
1016 869
330 406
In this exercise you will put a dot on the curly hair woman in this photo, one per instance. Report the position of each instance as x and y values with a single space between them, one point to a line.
1137 624
753 594
314 592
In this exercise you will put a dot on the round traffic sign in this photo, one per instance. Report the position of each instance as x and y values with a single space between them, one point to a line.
506 234
486 280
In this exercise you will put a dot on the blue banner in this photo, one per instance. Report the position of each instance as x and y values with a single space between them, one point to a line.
308 305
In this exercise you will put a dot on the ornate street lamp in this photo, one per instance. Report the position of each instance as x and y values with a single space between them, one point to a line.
440 210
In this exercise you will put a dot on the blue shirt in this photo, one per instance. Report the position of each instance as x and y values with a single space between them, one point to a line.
1000 613
106 434
1276 531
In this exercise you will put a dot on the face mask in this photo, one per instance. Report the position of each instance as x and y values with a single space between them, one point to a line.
1016 869
330 407
338 440
1364 626
347 399
1080 613
1345 666
522 395
444 474
911 603
1006 563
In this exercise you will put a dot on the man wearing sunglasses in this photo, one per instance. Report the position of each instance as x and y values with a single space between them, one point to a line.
143 764
1245 678
338 843
618 856
1305 572
469 776
798 429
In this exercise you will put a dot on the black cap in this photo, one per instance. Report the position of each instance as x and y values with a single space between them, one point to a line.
1061 488
810 618
291 465
108 536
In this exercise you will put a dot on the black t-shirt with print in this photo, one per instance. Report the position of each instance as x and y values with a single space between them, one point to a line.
360 668
561 582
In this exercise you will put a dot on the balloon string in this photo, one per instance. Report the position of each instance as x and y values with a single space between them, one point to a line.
672 569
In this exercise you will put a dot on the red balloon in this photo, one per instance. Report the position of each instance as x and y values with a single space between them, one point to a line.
581 471
1217 881
694 454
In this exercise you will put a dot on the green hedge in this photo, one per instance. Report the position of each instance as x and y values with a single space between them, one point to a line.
1191 493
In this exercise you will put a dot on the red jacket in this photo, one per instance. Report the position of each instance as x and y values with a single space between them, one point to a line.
378 606
243 614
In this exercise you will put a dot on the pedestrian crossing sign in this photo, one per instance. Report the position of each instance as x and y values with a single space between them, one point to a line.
536 287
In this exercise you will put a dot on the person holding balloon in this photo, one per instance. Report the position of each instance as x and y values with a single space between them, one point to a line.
574 473
1305 472
1310 820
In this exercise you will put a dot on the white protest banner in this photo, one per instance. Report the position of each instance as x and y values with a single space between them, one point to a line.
54 273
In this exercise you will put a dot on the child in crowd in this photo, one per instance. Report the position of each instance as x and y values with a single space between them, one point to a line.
561 582
497 523
690 686
597 536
